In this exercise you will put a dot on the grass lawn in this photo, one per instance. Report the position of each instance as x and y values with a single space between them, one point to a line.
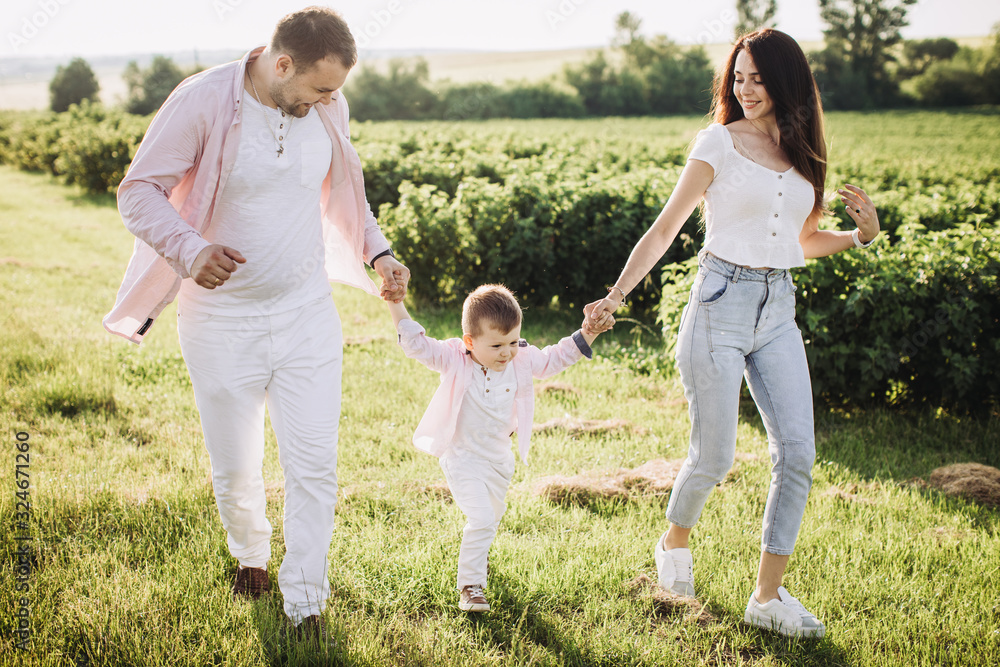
129 564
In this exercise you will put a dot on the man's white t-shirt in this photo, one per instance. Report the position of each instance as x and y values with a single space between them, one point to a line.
270 212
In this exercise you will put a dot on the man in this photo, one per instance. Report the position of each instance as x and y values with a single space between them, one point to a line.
246 198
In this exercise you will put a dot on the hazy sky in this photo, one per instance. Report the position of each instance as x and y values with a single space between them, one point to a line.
99 27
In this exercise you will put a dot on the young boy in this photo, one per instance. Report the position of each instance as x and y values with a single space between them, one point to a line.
485 395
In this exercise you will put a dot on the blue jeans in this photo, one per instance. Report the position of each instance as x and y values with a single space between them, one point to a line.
741 322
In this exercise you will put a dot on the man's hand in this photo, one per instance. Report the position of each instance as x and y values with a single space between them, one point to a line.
215 265
394 277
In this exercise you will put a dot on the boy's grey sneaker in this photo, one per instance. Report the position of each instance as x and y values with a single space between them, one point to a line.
473 598
675 569
785 615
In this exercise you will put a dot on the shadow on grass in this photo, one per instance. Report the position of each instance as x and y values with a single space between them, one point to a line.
516 619
94 199
895 445
789 651
282 646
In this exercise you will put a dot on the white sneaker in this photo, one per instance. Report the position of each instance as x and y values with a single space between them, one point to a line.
675 569
785 615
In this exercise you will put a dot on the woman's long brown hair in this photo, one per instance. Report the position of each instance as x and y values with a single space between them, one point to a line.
785 74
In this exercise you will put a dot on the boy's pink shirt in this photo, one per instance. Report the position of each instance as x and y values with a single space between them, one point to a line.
437 427
179 172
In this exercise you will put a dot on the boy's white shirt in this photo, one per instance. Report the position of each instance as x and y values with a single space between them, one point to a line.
435 434
486 420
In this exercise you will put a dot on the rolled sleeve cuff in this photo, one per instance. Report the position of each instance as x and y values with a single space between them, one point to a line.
408 329
581 343
191 247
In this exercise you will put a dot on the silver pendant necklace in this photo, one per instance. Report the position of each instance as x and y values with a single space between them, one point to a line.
278 140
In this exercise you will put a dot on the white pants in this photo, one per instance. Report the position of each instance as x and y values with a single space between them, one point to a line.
479 488
292 362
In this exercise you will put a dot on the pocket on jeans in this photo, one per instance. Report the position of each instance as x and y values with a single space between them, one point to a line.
713 287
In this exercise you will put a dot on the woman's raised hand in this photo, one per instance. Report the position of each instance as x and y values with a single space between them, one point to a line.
862 211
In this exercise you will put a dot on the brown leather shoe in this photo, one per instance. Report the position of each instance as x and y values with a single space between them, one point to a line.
251 583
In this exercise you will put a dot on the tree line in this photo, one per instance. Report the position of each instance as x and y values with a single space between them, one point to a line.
148 87
864 64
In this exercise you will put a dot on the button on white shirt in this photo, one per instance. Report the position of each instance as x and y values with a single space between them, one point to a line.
487 417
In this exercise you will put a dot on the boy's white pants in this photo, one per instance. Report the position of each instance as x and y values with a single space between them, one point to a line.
292 362
479 487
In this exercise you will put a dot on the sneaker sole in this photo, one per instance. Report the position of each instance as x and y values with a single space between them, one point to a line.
473 607
768 624
686 589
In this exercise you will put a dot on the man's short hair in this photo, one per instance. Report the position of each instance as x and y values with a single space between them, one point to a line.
490 306
312 34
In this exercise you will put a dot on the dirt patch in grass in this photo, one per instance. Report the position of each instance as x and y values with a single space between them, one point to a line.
274 491
972 481
653 478
850 493
556 388
667 605
363 340
438 489
573 426
947 535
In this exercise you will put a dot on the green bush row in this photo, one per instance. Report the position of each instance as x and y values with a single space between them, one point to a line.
553 208
914 322
545 240
89 145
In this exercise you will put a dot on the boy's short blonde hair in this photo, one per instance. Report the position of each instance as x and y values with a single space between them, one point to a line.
490 306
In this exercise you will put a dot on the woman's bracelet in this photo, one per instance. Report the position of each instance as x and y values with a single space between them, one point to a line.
620 291
858 243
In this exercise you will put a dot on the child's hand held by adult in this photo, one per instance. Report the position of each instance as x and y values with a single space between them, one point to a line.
394 276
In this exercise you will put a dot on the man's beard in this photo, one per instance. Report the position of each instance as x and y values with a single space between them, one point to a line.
277 93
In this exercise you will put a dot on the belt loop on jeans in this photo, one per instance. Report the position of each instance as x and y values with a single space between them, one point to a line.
736 273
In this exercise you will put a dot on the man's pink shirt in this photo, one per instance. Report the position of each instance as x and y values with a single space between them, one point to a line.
178 174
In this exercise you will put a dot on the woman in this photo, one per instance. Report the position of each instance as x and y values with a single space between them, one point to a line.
760 169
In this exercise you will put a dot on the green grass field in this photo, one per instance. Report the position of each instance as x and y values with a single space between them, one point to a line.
130 567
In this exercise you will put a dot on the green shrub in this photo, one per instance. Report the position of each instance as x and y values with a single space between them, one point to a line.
88 145
96 156
907 324
541 100
434 244
935 207
542 237
28 141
